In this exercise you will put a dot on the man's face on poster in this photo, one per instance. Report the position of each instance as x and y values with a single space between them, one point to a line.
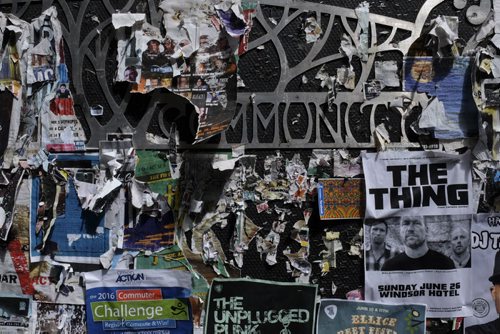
459 241
378 232
413 232
154 47
169 45
203 41
130 74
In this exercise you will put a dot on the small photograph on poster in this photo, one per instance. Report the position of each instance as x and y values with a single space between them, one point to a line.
181 83
15 311
68 319
63 103
417 243
199 84
130 74
341 198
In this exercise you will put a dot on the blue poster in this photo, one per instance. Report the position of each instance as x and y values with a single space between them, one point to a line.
448 79
65 231
346 316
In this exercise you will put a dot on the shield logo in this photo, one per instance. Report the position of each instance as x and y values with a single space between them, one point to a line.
331 311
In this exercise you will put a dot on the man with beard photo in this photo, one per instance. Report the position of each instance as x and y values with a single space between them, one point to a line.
417 254
378 251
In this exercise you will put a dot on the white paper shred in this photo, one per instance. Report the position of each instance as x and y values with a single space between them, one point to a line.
362 12
387 73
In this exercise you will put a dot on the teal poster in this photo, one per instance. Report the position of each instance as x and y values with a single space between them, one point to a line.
346 317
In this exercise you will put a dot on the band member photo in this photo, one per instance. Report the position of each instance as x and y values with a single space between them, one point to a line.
417 255
378 251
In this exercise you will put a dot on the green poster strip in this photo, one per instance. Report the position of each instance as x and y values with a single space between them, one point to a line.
140 310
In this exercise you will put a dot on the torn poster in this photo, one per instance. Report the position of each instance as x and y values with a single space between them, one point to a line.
257 306
417 183
14 267
195 58
347 316
152 229
68 319
387 73
129 62
345 165
445 29
421 255
244 232
61 129
173 258
15 314
14 33
312 28
143 301
47 52
363 12
154 169
117 158
341 198
485 259
8 199
59 227
13 62
448 79
268 246
56 283
320 163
